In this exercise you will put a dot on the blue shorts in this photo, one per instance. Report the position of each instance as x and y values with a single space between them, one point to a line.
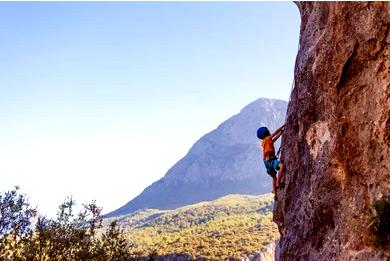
272 166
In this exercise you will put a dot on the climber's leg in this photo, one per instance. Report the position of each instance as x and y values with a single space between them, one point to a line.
274 185
280 175
274 188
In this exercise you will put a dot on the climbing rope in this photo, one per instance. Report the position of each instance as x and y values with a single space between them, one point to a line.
278 153
280 149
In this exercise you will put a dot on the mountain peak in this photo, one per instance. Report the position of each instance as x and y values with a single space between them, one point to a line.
225 161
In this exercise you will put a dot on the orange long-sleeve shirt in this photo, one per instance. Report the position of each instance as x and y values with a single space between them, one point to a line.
268 147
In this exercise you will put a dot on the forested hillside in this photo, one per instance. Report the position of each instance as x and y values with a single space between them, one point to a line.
230 227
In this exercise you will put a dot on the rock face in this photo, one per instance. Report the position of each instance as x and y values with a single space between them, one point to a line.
266 253
337 140
224 161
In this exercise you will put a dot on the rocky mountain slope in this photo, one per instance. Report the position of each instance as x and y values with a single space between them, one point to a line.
224 161
337 140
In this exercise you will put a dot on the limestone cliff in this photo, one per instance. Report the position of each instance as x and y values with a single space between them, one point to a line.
337 138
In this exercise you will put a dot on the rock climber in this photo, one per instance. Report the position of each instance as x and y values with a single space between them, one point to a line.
271 162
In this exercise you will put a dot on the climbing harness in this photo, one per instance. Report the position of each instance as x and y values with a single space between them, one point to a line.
270 163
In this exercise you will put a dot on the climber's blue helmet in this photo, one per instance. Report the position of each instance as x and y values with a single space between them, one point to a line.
263 132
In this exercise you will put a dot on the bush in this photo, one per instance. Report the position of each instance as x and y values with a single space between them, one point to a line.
15 225
68 237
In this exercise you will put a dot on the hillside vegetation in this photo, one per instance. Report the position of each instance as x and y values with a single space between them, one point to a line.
230 227
224 229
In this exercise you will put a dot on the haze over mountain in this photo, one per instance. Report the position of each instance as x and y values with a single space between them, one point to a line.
225 161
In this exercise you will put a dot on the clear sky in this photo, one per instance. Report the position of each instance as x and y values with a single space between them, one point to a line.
98 100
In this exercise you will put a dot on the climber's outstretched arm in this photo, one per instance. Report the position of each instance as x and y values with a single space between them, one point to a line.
277 133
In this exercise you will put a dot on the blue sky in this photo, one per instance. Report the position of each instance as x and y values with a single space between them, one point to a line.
99 99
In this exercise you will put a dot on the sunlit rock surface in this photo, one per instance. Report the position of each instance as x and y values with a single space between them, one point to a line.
337 138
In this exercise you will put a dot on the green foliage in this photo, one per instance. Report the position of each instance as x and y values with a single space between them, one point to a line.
114 243
230 227
381 222
15 229
68 237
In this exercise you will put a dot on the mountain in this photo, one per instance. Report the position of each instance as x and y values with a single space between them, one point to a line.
225 161
224 229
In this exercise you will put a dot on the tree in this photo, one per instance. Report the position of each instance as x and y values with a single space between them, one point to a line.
67 237
15 223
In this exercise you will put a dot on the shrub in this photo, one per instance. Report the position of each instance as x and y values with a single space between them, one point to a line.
68 237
